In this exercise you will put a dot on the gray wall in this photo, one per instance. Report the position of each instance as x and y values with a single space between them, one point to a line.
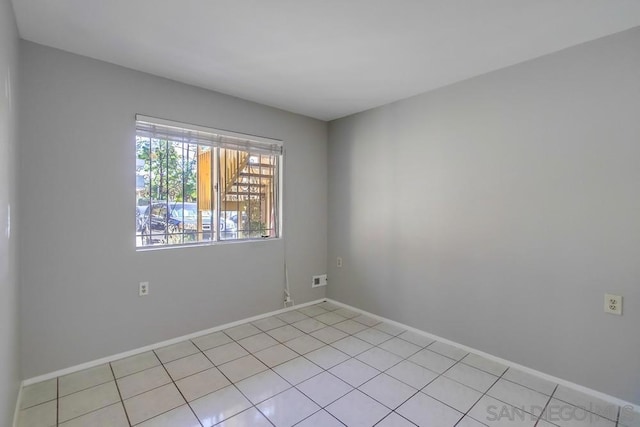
79 267
498 211
9 369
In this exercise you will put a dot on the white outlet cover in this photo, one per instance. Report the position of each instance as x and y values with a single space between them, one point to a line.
143 289
613 304
339 262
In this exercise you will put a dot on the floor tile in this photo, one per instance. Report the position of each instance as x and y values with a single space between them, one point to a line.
452 393
373 336
426 411
309 325
471 377
328 335
38 393
181 416
417 339
42 415
386 363
519 396
563 414
211 340
450 351
387 390
324 388
432 361
202 383
320 419
220 405
400 347
225 353
358 410
133 364
493 412
312 311
297 370
535 383
85 379
288 408
366 320
351 346
268 323
155 402
590 403
470 422
410 373
176 351
354 372
142 381
285 333
110 416
249 418
390 329
329 306
395 420
345 312
330 318
257 342
304 344
484 364
262 386
379 358
292 316
242 331
629 417
326 357
188 366
276 355
350 327
242 368
86 401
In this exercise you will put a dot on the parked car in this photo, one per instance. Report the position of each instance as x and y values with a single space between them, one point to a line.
163 222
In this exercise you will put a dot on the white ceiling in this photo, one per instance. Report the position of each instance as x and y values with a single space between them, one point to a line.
321 58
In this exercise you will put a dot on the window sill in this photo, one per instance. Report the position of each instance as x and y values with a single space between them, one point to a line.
210 244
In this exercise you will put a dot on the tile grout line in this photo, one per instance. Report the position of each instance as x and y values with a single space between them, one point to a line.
126 414
584 408
426 385
177 388
231 383
483 395
373 367
545 408
322 369
422 348
250 353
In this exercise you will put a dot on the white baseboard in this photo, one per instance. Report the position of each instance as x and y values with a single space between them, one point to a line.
16 412
155 346
594 393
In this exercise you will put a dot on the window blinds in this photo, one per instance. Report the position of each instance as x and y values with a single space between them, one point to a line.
165 129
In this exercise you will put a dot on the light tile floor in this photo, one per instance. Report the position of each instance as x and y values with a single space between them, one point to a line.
316 366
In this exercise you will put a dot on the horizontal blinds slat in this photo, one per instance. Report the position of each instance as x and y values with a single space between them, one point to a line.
192 136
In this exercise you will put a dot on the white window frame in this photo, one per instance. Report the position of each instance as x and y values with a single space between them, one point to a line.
216 139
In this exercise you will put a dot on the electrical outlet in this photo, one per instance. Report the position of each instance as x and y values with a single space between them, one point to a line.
339 262
613 304
143 289
320 280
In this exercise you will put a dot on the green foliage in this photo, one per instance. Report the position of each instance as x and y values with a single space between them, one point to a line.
170 169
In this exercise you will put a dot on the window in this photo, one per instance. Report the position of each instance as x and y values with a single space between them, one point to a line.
196 185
